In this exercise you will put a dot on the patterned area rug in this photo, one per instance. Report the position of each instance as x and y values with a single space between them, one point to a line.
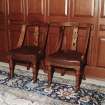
21 91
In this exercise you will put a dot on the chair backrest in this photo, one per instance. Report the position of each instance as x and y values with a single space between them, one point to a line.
79 36
84 34
43 31
39 32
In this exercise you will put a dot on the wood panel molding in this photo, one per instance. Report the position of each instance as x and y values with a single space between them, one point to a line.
35 7
15 10
2 7
35 10
102 27
101 52
81 9
54 9
103 8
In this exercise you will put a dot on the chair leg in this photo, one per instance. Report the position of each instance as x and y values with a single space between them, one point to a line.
82 69
44 66
50 75
62 72
28 66
12 67
78 80
83 74
35 69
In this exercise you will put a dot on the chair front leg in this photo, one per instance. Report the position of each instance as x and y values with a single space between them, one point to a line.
50 74
78 80
11 67
35 69
83 73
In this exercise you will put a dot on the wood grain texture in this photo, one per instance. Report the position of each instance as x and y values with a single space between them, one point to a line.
82 9
16 12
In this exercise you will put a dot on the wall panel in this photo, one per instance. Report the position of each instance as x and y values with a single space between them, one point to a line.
102 8
35 10
55 10
101 52
82 9
3 30
15 10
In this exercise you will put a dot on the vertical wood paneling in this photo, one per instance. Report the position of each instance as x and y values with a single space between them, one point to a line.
101 52
2 7
3 41
57 8
102 8
35 10
84 8
101 35
3 31
35 7
2 11
16 9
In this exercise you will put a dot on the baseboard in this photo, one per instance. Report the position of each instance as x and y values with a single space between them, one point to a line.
88 80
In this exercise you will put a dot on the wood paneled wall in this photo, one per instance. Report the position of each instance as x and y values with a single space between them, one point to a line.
13 13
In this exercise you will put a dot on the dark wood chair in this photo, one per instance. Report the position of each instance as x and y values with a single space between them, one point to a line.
31 55
75 57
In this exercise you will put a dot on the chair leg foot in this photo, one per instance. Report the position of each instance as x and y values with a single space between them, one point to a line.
34 81
34 78
28 66
63 72
11 75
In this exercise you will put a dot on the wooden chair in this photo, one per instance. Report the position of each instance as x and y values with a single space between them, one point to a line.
74 58
31 55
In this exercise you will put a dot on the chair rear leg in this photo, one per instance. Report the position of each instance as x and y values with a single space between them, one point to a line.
28 66
43 63
83 74
62 72
11 67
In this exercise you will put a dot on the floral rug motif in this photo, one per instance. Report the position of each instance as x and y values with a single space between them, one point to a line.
61 89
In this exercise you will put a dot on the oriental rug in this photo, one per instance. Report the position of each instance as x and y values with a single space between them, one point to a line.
20 90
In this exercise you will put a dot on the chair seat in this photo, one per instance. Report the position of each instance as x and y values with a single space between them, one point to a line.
27 52
65 58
